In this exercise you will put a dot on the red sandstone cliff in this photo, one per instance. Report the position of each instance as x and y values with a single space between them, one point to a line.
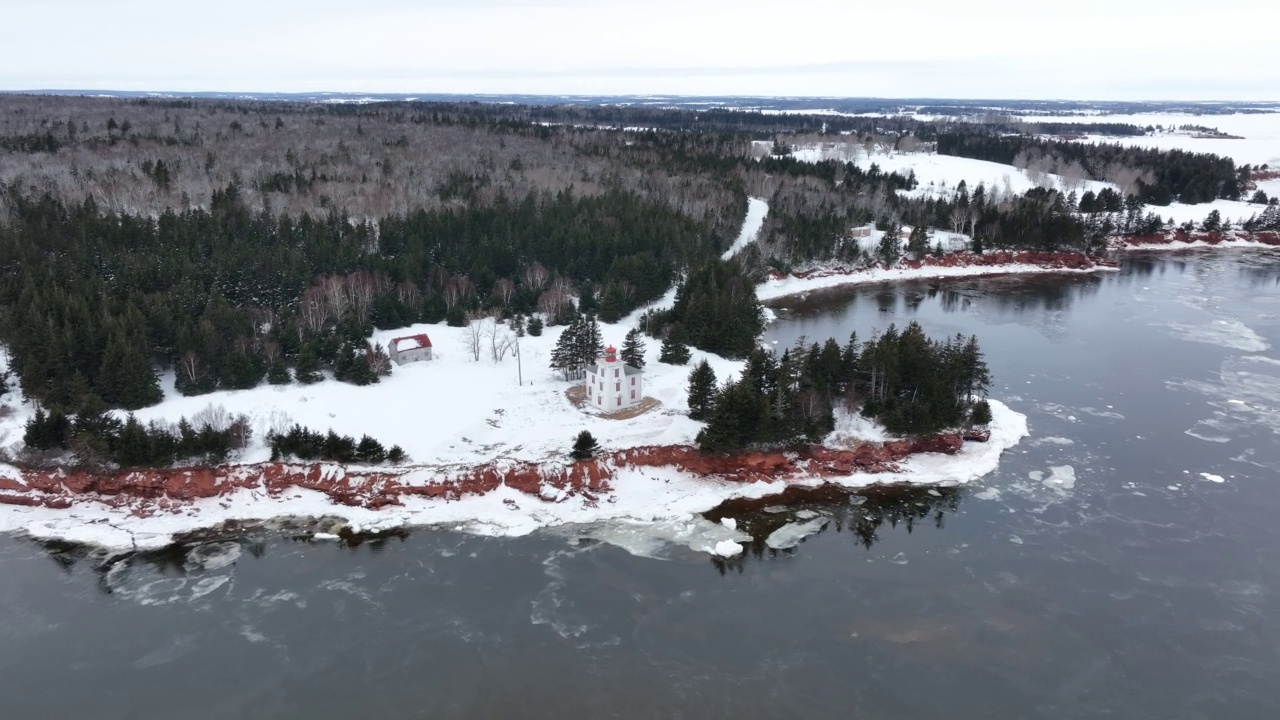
146 492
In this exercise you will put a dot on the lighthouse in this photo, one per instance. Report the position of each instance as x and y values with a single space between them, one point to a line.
613 385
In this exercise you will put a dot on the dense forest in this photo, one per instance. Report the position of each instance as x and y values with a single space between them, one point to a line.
239 242
228 298
910 383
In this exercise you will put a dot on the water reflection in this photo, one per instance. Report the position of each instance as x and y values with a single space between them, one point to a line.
863 515
1002 297
203 555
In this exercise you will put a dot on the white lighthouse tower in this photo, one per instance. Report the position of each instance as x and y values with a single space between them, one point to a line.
613 385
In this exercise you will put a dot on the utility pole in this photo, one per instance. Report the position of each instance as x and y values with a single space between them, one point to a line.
519 365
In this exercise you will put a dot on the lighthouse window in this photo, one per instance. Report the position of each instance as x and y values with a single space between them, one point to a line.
616 373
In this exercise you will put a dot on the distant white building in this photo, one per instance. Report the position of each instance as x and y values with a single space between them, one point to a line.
613 385
411 348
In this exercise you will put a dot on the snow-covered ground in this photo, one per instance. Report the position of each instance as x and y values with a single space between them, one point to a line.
757 209
1259 133
791 285
458 411
938 175
663 497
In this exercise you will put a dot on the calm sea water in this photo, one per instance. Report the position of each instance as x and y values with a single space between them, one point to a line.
1098 573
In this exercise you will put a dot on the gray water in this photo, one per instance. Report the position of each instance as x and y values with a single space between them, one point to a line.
1141 590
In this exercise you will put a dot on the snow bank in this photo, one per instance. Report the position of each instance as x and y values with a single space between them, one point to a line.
778 288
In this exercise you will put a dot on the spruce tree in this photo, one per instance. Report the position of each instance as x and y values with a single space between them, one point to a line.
702 390
278 374
981 413
614 304
564 356
674 351
633 349
590 344
370 451
585 446
535 326
308 370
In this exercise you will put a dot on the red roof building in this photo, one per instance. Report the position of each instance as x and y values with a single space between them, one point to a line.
411 348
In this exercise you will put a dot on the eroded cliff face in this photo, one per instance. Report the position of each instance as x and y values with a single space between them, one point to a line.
150 491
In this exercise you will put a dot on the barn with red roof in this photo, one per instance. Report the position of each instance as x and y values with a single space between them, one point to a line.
411 348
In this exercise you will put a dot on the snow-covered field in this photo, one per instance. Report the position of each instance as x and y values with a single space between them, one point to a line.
940 174
459 411
1259 133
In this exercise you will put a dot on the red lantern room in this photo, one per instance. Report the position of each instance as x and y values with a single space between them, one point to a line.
611 354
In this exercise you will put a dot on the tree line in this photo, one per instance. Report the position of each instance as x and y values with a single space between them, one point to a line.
910 383
228 298
1157 177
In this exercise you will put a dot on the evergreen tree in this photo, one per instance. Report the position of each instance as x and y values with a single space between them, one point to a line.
702 390
981 413
918 242
396 454
535 326
888 250
674 351
370 451
278 374
308 370
633 349
585 446
614 304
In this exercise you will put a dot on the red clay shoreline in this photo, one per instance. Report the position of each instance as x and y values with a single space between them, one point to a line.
146 492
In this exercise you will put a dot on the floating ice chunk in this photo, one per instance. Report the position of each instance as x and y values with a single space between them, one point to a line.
988 494
1225 333
727 548
729 523
775 509
1212 478
1061 476
788 536
806 515
1015 539
325 536
211 556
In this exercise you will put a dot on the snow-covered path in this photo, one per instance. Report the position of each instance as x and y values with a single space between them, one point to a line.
757 210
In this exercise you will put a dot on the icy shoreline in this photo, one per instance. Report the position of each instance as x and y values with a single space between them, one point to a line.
667 495
792 285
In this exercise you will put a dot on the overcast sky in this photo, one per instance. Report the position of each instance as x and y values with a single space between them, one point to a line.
1075 49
